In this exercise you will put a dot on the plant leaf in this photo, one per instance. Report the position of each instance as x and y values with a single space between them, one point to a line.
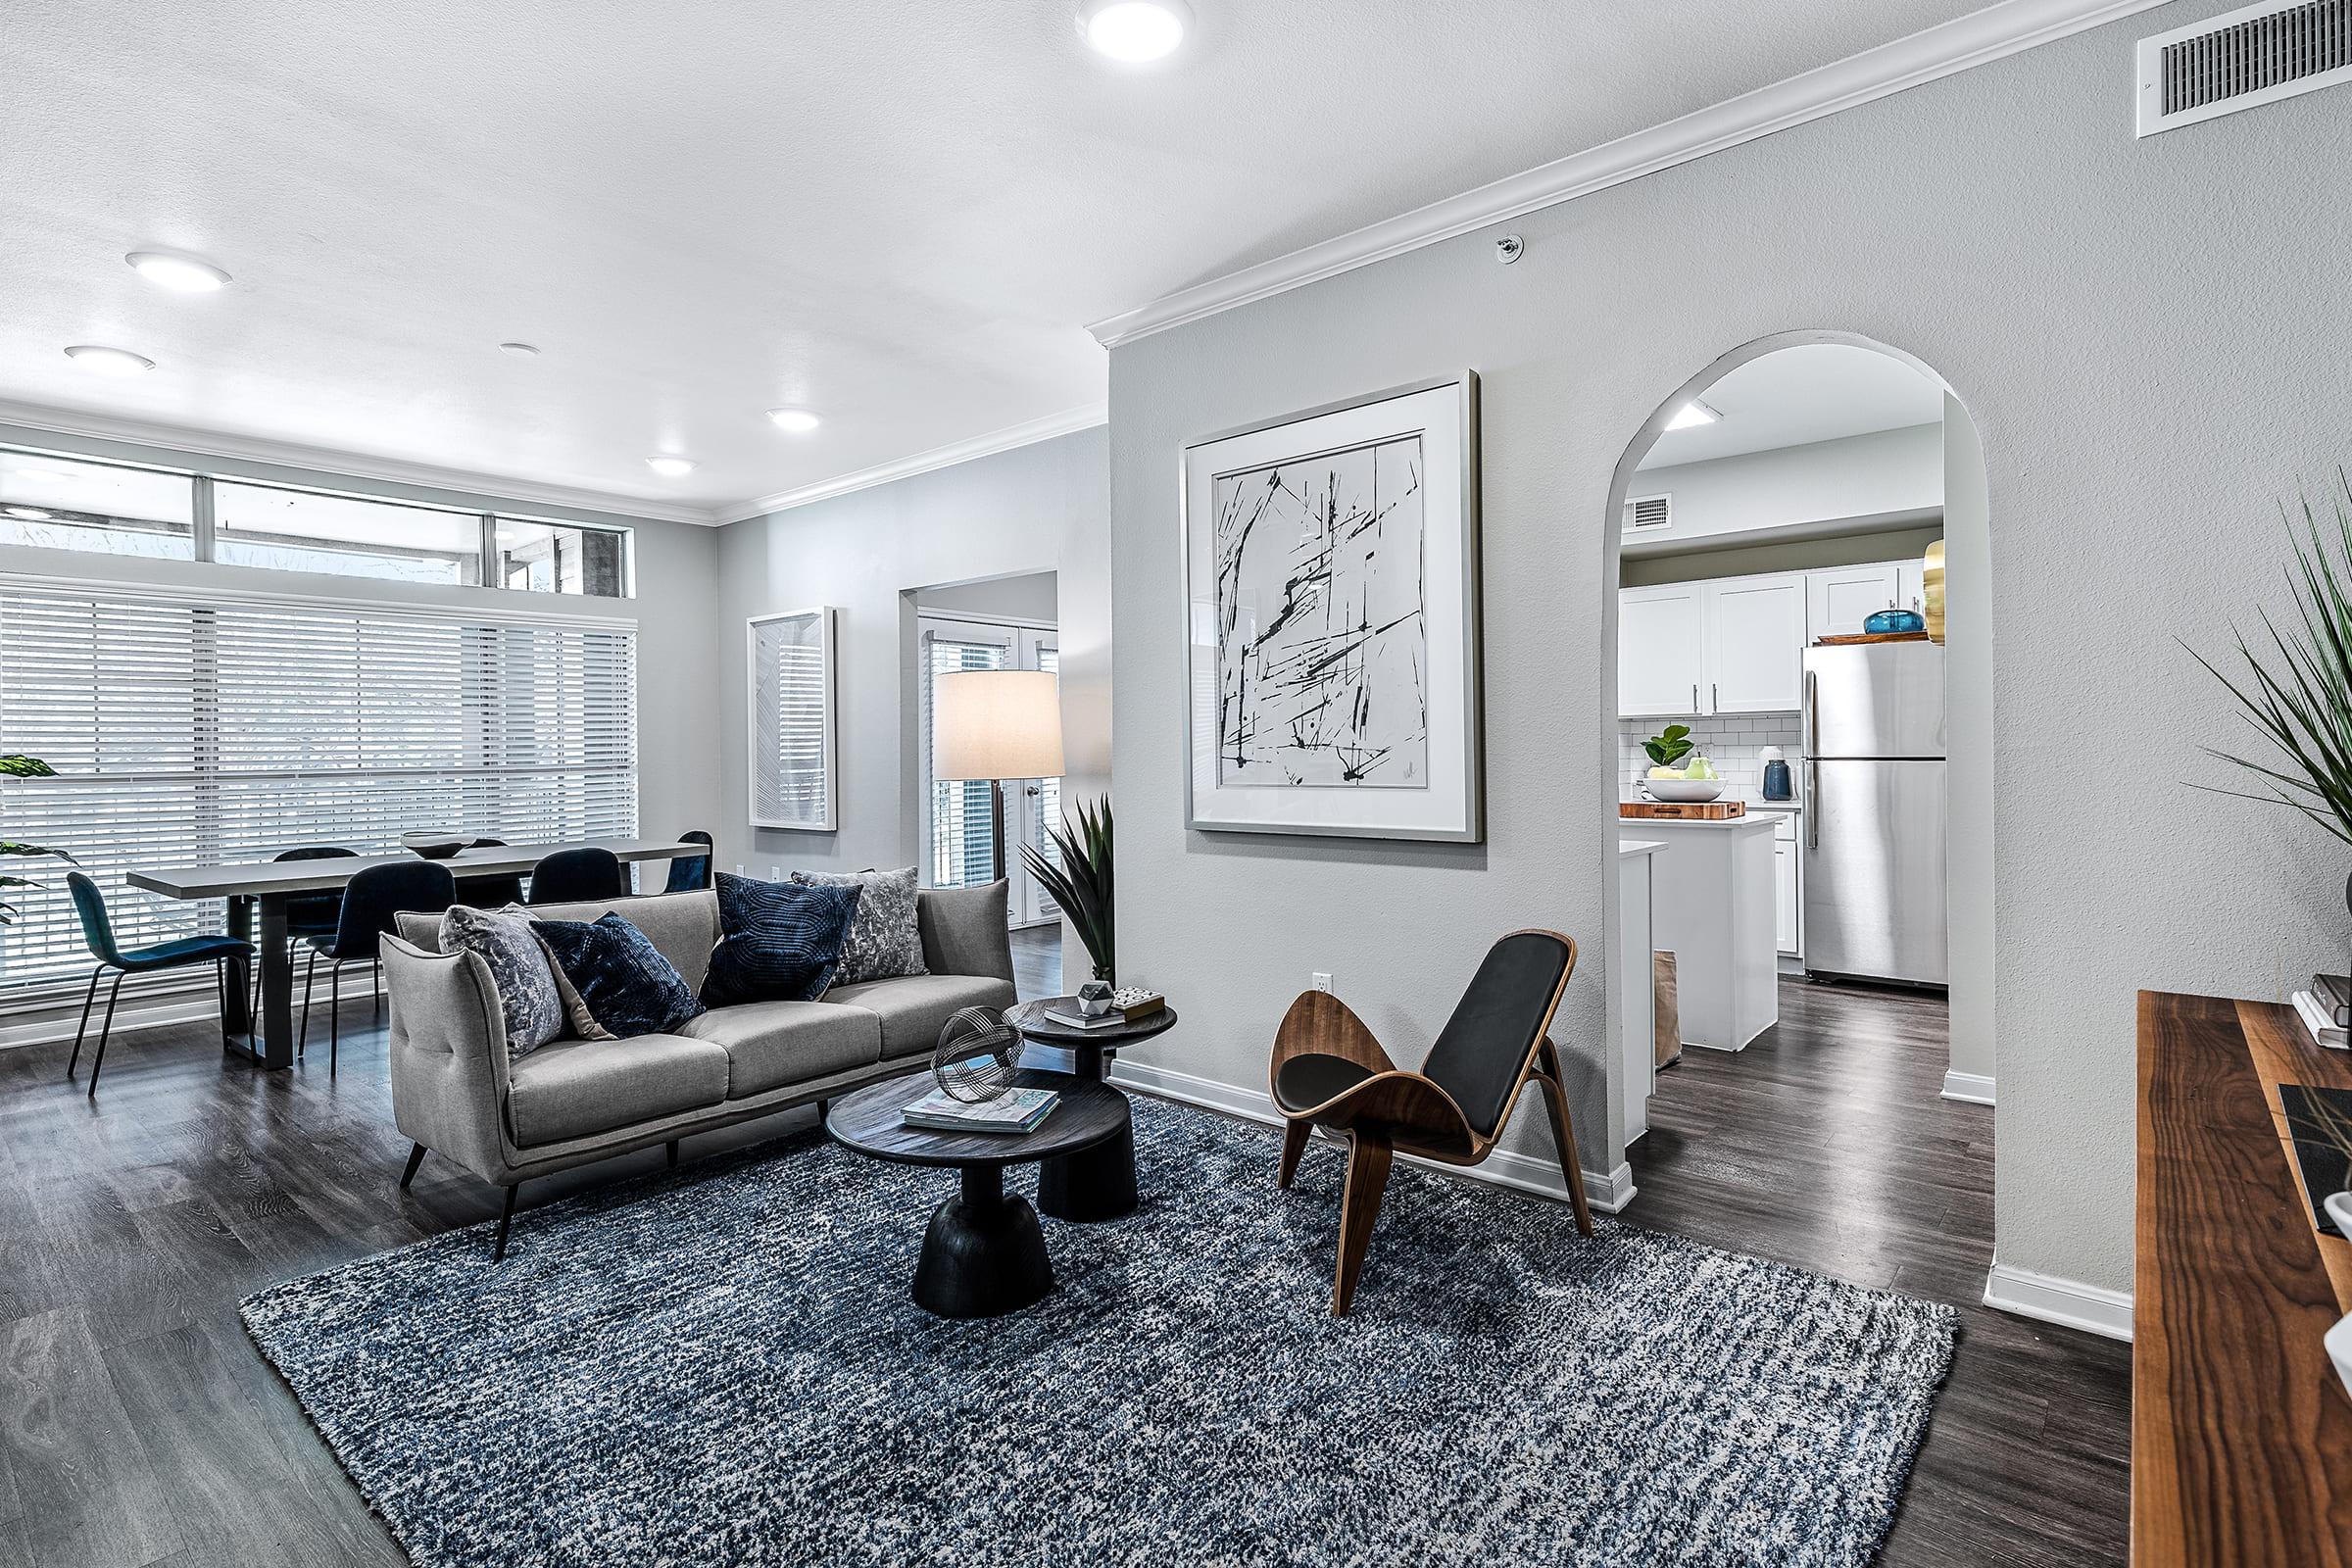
11 847
18 766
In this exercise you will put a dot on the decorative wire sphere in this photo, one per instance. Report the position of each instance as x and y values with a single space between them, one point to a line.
976 1054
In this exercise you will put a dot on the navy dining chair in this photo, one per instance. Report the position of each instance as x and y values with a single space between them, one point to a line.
98 931
494 892
583 875
371 900
690 872
308 914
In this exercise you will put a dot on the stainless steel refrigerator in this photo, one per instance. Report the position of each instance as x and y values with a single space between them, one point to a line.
1874 812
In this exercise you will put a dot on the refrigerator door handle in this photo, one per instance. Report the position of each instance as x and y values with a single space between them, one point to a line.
1812 804
1812 718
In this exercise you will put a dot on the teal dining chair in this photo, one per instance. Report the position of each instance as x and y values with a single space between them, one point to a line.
98 930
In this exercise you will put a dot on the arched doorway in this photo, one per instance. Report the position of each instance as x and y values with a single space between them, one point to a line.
1833 536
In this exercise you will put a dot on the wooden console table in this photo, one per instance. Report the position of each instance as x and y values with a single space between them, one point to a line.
2241 1436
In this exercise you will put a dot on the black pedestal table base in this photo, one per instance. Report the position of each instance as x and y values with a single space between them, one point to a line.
984 1254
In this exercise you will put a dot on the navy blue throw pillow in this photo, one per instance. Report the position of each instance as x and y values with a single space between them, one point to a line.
623 980
778 941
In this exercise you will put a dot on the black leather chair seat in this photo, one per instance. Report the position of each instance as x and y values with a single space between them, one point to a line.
1311 1079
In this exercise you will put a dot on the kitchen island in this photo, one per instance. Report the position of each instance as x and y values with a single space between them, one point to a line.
1711 895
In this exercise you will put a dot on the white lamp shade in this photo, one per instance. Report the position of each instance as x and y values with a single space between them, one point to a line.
996 723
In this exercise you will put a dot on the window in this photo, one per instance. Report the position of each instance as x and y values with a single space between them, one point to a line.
546 557
228 727
300 530
963 827
69 504
61 504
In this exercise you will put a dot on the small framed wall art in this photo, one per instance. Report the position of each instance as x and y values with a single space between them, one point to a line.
1331 619
790 690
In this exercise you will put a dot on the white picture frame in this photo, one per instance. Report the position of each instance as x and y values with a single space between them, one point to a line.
794 771
1332 659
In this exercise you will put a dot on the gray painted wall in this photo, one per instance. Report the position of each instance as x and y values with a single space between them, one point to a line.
1818 483
2144 385
1039 509
1032 596
676 565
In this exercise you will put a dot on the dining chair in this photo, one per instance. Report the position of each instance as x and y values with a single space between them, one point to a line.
489 892
309 914
690 872
1328 1071
581 875
98 931
370 898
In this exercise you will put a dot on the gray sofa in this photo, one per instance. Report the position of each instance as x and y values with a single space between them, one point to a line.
574 1102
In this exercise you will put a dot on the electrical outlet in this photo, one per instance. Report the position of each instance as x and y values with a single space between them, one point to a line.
739 868
776 873
1322 980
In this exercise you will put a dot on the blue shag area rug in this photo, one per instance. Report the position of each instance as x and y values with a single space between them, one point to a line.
722 1365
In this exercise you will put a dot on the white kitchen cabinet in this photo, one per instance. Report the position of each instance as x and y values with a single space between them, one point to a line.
1840 599
1784 897
1755 644
1660 652
1911 585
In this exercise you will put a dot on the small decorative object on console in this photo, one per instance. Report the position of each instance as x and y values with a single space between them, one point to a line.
434 844
1136 1003
976 1054
1094 998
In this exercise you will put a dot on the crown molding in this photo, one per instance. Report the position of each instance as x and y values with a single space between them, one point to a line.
1067 423
1995 33
331 465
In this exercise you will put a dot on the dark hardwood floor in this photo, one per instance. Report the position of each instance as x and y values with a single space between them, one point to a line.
1825 1145
138 1426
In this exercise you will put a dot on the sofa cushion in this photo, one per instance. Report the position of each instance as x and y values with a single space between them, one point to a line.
577 1087
627 986
914 1008
518 967
778 941
772 1044
682 926
884 939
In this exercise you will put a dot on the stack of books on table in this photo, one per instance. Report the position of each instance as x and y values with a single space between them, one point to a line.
1132 1005
1016 1110
2326 1009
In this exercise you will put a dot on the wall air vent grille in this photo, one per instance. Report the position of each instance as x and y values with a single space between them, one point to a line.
1649 514
2243 60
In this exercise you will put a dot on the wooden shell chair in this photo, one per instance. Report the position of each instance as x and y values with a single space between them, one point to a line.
1329 1071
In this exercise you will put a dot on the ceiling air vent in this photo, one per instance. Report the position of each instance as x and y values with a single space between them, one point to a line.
2242 60
1649 514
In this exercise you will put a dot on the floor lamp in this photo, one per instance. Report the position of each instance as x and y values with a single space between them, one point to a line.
995 724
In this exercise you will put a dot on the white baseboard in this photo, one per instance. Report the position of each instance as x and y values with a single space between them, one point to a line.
2067 1302
1505 1167
1973 1086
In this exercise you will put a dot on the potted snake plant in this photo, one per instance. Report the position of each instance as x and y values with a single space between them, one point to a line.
1077 877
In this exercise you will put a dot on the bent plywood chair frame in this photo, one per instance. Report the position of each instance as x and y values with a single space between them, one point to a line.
1393 1109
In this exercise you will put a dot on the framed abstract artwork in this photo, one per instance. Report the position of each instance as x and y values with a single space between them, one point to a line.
790 689
1331 619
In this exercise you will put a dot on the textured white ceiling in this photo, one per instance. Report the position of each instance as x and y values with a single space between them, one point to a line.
897 214
1815 392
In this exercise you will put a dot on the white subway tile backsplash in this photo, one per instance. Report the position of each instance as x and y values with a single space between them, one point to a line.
1732 741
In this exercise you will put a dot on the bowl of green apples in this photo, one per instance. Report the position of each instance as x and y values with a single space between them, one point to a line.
1679 770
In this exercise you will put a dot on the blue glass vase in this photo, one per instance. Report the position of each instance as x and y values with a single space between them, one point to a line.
1887 620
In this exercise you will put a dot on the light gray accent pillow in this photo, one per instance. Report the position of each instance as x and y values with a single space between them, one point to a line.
518 968
884 941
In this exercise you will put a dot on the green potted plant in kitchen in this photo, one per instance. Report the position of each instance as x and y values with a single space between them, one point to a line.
2295 690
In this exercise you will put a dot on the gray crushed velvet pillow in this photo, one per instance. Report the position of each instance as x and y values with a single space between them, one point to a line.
884 941
518 968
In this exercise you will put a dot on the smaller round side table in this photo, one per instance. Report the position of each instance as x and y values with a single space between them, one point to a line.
1097 1183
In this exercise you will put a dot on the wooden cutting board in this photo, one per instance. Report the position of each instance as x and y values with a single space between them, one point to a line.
1871 637
1684 811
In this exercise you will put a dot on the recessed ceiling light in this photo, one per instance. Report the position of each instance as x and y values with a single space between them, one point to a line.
670 467
102 361
529 351
1691 415
800 422
1134 32
31 513
182 275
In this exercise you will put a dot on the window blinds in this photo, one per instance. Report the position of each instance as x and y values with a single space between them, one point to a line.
963 849
228 727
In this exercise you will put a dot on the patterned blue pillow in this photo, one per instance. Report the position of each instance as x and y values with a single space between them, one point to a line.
626 985
778 941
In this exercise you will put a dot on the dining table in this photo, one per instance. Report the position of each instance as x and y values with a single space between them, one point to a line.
257 893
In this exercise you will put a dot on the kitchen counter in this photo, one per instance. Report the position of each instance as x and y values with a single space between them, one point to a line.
1729 825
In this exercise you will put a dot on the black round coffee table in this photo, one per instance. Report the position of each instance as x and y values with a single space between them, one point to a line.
1097 1183
984 1254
